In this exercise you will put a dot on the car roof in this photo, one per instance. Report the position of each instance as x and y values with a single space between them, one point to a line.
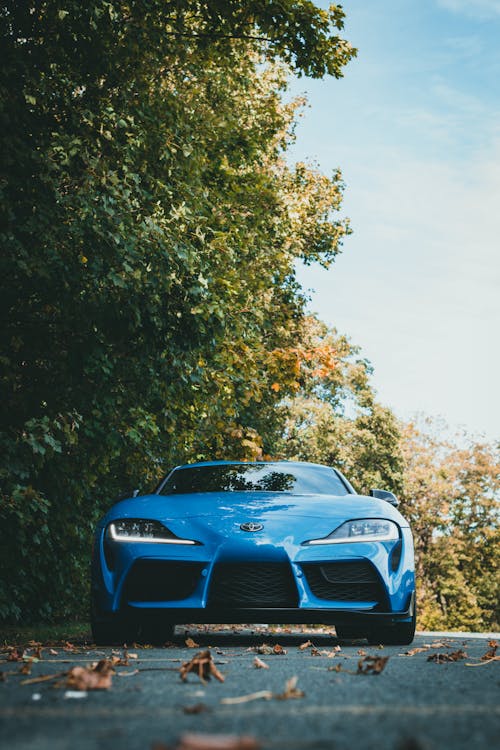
253 463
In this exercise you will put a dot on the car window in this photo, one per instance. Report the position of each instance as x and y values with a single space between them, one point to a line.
259 477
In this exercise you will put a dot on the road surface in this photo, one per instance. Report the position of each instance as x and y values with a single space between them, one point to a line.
413 703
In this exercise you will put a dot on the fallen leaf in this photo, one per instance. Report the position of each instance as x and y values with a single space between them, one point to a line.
372 664
336 668
194 741
492 651
203 665
15 655
452 656
483 663
489 656
97 677
43 678
198 708
191 644
291 690
114 661
128 674
305 645
264 648
124 660
259 664
26 668
416 650
277 649
259 695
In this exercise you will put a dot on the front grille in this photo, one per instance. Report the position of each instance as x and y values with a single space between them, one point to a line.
344 581
161 580
254 585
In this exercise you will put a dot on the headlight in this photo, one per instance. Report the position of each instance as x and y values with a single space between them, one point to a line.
141 530
362 530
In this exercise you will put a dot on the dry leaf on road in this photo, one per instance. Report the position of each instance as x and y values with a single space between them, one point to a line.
305 645
43 678
488 657
194 741
26 668
264 648
291 690
492 651
197 708
98 677
259 664
203 665
443 658
259 695
15 655
416 650
372 664
324 652
338 668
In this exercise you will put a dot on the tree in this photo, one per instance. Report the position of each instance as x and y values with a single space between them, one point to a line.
451 496
334 417
150 229
449 490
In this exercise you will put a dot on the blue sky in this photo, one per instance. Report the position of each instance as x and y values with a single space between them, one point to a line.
415 128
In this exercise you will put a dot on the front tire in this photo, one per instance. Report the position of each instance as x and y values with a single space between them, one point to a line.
349 632
155 630
397 634
110 629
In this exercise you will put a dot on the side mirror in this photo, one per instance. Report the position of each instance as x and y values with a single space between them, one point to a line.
385 495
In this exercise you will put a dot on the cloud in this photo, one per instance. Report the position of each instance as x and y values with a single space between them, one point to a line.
480 9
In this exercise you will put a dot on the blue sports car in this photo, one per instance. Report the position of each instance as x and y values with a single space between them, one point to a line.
234 542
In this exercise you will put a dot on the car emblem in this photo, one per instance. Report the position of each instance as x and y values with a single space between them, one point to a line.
251 526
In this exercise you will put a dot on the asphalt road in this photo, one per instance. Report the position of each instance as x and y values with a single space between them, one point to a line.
412 704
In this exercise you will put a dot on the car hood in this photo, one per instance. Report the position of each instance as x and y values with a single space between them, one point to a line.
304 516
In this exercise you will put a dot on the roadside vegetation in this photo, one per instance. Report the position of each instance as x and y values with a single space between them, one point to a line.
151 227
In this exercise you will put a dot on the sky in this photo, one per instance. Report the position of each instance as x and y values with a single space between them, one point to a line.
414 126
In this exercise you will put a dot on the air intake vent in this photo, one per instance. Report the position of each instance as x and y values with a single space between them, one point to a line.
161 581
258 585
344 581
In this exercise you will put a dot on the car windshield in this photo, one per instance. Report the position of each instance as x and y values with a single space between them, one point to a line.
259 477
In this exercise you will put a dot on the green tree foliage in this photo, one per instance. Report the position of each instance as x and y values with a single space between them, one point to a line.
451 496
150 226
